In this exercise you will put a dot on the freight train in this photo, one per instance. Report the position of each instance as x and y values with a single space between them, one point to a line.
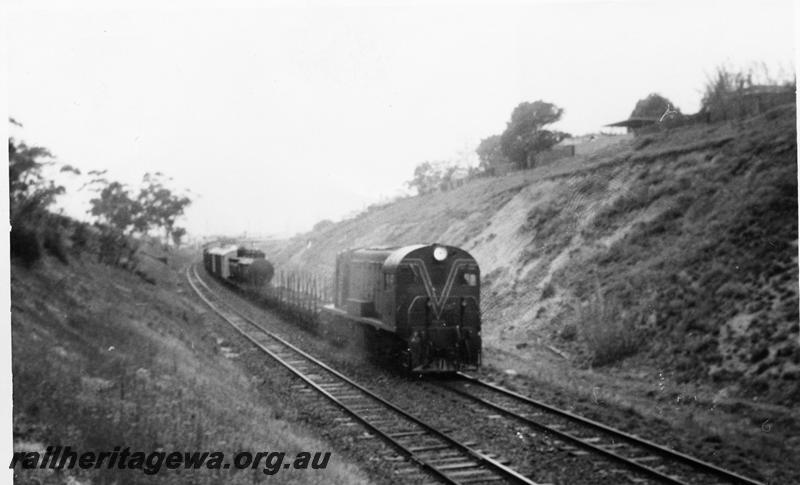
238 265
418 304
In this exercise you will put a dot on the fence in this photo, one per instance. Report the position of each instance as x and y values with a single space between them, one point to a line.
300 295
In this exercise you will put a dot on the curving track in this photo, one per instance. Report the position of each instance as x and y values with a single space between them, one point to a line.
643 457
430 450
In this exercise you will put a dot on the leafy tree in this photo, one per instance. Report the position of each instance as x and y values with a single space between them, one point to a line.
654 106
28 190
724 95
439 176
427 178
121 216
154 207
447 176
161 207
177 235
116 213
115 207
525 134
70 169
490 153
30 195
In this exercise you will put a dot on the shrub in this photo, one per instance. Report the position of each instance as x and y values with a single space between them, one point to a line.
569 332
545 220
80 237
732 93
606 330
53 243
25 245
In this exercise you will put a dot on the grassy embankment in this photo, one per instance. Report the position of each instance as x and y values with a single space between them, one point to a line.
102 358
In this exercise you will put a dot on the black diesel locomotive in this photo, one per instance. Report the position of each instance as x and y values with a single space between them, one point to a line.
420 302
416 305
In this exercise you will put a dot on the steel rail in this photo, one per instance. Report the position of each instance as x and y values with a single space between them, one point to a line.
663 451
479 457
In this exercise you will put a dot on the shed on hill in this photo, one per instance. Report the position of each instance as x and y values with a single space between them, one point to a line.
635 125
647 113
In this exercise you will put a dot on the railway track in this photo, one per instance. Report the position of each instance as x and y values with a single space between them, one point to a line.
585 436
429 451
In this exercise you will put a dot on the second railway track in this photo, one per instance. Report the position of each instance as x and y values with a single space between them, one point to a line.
637 455
430 450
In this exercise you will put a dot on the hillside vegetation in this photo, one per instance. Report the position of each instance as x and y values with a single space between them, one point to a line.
674 252
102 359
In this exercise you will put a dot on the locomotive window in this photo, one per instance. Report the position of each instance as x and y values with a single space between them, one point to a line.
470 279
388 281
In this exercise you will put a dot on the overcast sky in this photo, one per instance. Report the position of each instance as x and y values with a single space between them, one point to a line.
277 117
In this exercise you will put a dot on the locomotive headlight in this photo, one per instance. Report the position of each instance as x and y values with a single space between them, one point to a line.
439 253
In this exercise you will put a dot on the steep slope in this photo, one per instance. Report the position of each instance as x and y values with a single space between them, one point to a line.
675 251
103 359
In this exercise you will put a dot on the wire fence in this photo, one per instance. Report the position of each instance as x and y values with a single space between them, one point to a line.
296 293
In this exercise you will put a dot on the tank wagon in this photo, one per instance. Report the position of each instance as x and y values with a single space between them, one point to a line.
420 303
243 266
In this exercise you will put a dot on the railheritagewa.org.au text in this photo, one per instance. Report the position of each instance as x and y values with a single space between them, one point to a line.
152 462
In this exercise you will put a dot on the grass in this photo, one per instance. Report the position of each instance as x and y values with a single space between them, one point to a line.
718 244
606 330
131 364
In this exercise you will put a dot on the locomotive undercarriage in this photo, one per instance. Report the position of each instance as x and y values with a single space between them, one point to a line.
441 349
425 350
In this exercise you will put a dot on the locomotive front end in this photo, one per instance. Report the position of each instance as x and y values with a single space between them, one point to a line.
438 303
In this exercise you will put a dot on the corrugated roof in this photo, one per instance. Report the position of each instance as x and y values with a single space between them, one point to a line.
635 122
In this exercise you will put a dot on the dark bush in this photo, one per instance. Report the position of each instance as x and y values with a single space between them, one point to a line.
548 291
80 237
25 245
54 244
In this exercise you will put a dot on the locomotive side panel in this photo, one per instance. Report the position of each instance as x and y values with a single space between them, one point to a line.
361 293
359 282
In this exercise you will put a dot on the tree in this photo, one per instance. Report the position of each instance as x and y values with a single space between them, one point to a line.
116 214
114 207
28 190
121 216
177 235
427 178
490 153
30 195
525 134
161 208
653 106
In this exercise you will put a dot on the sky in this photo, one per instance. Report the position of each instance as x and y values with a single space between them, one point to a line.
277 115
